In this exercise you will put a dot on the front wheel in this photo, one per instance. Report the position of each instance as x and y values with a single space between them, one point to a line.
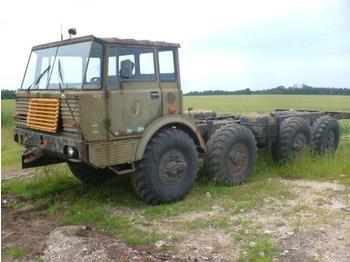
231 155
168 168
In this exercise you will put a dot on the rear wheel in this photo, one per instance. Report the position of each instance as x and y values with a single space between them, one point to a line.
168 168
294 139
87 174
231 155
326 134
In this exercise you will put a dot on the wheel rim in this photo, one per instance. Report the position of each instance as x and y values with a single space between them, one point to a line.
237 159
300 142
172 167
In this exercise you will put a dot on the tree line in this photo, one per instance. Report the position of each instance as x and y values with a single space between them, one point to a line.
282 90
7 94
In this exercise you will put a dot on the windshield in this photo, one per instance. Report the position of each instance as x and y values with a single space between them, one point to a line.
69 66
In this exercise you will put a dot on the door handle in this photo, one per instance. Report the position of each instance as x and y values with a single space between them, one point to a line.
155 94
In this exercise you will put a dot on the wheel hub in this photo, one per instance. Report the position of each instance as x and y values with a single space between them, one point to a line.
172 166
237 158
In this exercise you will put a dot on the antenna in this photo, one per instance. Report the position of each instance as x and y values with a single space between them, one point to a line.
61 34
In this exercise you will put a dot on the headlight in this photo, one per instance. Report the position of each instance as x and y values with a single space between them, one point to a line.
71 152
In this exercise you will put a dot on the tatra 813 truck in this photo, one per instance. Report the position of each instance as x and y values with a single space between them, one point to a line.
110 106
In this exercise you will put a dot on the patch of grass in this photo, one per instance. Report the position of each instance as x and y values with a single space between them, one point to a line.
329 167
344 127
54 208
263 250
297 209
302 215
280 223
255 245
219 222
15 204
7 109
45 185
256 193
10 151
85 212
191 203
17 252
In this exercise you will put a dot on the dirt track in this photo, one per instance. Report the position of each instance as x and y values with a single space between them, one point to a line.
313 225
41 237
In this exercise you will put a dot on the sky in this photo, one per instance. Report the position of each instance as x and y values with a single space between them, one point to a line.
226 45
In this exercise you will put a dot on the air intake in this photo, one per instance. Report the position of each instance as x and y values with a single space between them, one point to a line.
43 114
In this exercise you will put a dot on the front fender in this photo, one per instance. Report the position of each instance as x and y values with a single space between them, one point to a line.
173 120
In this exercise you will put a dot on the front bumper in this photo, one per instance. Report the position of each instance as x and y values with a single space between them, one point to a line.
54 147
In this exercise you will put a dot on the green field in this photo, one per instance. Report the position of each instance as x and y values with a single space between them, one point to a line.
265 103
220 104
10 151
56 191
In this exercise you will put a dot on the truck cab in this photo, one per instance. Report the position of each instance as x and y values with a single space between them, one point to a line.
98 101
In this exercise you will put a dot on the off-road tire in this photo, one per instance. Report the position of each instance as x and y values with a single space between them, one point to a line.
326 135
294 139
168 168
231 155
89 175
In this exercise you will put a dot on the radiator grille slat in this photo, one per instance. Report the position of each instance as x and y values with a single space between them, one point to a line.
43 114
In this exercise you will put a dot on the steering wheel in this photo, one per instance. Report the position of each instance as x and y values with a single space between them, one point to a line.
95 81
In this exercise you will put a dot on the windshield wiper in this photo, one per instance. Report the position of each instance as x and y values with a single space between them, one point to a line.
60 73
37 80
60 83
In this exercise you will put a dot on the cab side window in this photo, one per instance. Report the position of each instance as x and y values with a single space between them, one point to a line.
166 65
136 64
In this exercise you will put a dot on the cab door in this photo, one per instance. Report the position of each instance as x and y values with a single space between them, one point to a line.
169 79
134 96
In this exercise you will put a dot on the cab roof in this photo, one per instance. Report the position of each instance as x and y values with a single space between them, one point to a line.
112 40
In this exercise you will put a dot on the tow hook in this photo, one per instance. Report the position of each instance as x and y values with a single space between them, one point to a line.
31 155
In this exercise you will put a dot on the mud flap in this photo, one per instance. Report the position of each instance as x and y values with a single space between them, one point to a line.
35 157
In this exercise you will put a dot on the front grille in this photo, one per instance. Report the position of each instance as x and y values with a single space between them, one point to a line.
43 114
43 118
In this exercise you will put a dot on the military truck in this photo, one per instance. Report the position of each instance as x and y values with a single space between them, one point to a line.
110 106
